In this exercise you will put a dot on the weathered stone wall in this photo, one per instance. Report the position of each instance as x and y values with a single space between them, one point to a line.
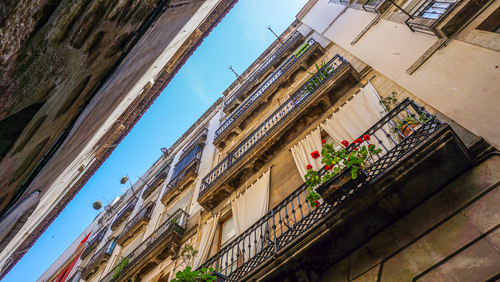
453 236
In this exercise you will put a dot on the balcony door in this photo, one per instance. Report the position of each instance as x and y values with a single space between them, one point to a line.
194 153
227 234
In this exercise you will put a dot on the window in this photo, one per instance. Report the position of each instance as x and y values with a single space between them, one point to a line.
226 235
434 9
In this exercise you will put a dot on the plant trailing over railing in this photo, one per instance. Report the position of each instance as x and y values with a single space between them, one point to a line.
187 275
334 161
120 266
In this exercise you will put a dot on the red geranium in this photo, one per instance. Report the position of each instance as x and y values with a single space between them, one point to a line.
328 167
356 149
309 167
316 203
345 143
358 141
315 154
366 137
323 141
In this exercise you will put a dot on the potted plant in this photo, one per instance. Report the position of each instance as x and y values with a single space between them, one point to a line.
337 178
405 124
97 205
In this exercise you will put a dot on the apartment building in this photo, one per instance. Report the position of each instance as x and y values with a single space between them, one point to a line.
233 186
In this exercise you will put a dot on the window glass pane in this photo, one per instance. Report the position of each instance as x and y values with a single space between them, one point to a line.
228 232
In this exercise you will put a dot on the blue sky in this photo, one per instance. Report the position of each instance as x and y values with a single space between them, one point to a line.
237 41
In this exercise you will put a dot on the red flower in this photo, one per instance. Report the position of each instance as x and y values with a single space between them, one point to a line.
345 143
316 203
366 137
356 149
328 167
315 155
358 141
309 167
323 141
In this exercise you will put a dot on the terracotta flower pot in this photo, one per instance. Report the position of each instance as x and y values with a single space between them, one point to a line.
342 183
406 131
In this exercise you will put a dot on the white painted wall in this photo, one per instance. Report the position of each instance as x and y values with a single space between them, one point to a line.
322 15
461 80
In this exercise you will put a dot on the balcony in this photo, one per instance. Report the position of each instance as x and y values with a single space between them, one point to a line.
376 6
415 163
136 225
185 174
99 259
428 15
290 43
93 243
163 243
265 89
219 183
124 214
157 182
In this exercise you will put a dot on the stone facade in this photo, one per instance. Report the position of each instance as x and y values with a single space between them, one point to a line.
429 214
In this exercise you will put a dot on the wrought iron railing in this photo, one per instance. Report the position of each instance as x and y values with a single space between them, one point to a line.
122 215
158 179
200 138
193 166
176 223
265 66
105 251
265 86
274 120
427 15
371 6
401 130
93 243
144 213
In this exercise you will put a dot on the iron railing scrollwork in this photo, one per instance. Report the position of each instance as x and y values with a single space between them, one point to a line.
145 212
397 133
428 13
265 66
199 139
106 250
274 120
192 166
92 243
177 223
265 86
123 213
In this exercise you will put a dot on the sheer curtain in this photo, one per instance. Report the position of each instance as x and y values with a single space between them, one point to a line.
357 116
248 208
206 240
302 152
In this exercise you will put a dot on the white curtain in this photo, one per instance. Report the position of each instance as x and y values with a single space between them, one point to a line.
302 152
206 240
248 208
357 116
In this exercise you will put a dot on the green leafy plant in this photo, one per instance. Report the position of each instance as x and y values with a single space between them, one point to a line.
332 158
389 102
187 275
97 205
187 254
175 221
316 80
120 266
123 180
